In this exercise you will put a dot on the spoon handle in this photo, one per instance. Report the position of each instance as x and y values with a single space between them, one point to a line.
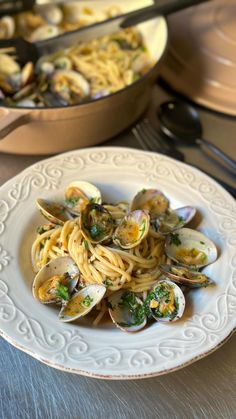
218 152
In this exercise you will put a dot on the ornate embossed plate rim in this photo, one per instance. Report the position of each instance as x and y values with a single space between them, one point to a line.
116 377
116 152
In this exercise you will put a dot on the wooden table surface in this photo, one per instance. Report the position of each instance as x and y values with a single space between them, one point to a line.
205 389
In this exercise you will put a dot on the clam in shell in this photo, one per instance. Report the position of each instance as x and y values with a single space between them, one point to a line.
132 229
8 65
44 32
191 248
96 223
70 86
63 63
174 220
165 302
72 11
27 73
53 211
82 303
51 13
77 14
56 280
79 194
46 68
127 311
151 200
184 276
7 27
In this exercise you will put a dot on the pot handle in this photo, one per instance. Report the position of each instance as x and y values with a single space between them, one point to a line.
10 120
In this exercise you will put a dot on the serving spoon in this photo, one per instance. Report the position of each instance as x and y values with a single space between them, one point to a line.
181 122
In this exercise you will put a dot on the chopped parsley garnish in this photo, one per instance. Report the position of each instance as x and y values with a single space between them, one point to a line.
203 257
151 296
162 292
143 190
158 313
62 291
180 219
96 230
159 295
71 202
123 44
174 239
87 301
202 242
136 309
40 230
107 283
93 200
86 246
142 229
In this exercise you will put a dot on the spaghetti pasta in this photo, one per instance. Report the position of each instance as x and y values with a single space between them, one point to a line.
86 71
134 269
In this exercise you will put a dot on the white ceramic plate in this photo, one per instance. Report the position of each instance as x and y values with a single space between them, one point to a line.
105 351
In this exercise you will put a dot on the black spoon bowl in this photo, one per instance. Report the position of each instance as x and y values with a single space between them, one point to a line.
181 122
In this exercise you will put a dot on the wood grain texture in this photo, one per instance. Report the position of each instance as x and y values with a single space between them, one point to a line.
203 390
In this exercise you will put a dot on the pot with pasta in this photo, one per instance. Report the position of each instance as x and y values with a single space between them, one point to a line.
80 96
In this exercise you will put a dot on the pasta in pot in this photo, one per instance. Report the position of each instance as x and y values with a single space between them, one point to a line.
87 71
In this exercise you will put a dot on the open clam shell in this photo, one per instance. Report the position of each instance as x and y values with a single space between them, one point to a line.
74 13
174 219
79 194
53 211
82 303
96 223
63 63
184 276
70 86
166 301
56 280
151 200
189 247
127 311
132 229
51 13
44 32
7 27
27 73
8 65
